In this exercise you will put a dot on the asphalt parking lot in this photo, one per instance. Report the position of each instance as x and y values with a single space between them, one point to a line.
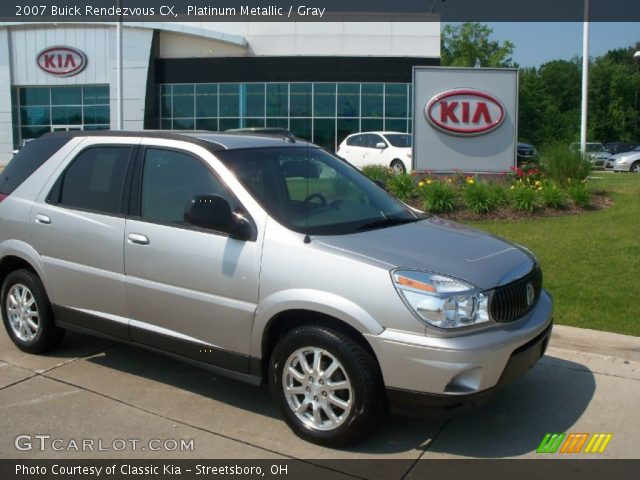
95 389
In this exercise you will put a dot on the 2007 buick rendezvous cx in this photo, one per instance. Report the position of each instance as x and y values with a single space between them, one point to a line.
259 257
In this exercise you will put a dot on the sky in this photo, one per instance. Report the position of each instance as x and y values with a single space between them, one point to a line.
540 42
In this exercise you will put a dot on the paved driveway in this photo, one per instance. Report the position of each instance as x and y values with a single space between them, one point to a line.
95 389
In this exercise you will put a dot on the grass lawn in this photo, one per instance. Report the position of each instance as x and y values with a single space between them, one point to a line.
591 261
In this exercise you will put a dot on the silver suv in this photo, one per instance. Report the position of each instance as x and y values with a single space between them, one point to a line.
264 259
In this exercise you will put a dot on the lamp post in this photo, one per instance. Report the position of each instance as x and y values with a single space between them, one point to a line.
119 79
585 79
636 57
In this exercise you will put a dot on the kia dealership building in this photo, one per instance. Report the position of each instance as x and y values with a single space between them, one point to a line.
322 81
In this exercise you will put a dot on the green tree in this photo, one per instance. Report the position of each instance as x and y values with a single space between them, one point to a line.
465 44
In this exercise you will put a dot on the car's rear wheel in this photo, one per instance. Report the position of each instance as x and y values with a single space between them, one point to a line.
635 168
327 386
27 313
398 167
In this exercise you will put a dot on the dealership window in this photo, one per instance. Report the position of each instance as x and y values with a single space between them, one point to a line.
323 112
38 110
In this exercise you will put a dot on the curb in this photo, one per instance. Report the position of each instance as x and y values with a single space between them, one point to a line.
626 347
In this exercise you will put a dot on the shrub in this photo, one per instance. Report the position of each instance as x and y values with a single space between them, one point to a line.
438 197
401 186
580 195
524 198
499 194
560 164
552 196
377 172
477 197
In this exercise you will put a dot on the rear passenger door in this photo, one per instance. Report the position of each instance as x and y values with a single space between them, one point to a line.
78 229
189 291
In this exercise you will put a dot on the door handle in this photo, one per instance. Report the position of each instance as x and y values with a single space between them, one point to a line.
138 239
44 219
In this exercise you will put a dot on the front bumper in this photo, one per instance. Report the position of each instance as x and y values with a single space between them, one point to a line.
419 370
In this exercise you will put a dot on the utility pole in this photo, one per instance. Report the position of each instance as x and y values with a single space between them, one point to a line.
585 80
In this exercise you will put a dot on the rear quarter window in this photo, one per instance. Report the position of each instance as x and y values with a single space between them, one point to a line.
30 157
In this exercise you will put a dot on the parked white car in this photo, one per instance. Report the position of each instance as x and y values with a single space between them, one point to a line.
625 162
389 149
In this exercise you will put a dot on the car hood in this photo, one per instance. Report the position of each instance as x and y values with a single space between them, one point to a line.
625 155
440 246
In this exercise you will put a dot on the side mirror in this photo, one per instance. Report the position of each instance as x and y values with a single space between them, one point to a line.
213 212
380 183
381 145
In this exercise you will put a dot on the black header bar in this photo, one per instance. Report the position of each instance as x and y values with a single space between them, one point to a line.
318 10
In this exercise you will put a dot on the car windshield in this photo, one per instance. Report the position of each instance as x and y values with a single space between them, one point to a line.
401 140
595 147
310 191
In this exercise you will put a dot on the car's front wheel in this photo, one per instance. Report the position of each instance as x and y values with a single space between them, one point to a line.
398 166
327 386
635 168
27 313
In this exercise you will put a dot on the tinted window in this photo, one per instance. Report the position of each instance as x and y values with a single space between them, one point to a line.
95 179
28 160
355 141
399 140
170 179
370 140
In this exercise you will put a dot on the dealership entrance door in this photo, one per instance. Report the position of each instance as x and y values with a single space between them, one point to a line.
42 109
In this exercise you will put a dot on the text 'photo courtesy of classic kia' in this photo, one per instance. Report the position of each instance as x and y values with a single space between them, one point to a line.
266 259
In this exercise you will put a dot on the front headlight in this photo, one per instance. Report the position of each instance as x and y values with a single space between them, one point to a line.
442 301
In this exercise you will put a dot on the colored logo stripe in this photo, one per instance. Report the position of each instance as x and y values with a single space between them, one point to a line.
598 443
573 443
550 443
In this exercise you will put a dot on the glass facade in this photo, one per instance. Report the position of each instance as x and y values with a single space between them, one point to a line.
38 110
322 112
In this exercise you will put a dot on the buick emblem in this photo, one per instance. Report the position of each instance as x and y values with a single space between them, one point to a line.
531 294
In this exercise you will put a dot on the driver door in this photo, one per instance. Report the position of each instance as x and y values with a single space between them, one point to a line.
189 291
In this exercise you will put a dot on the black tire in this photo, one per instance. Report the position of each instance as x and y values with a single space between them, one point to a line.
398 166
635 167
47 334
362 371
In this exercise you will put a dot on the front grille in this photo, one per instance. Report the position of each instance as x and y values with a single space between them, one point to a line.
509 302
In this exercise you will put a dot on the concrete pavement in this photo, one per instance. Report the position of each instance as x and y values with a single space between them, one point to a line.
98 390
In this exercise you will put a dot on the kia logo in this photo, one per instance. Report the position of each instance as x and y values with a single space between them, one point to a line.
464 112
62 61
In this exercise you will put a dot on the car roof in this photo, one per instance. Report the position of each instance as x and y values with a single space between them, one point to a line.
213 141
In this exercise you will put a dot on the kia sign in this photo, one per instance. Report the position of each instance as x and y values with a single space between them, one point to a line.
464 119
62 61
465 112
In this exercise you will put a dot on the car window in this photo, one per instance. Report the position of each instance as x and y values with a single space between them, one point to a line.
370 140
401 140
355 141
309 190
28 159
95 179
595 147
170 179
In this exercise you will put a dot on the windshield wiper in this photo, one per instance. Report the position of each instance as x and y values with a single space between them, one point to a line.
387 222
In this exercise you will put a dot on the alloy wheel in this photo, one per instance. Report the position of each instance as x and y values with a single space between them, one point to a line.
317 388
22 312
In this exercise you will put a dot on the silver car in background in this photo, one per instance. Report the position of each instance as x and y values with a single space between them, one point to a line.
625 162
264 260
